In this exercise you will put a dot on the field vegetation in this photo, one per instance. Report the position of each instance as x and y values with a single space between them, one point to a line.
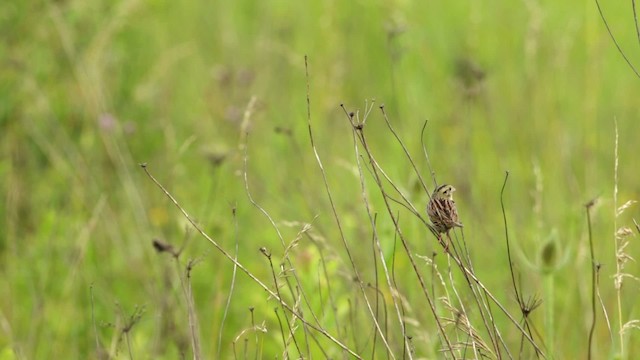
248 179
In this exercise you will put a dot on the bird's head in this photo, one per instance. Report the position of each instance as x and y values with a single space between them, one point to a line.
444 192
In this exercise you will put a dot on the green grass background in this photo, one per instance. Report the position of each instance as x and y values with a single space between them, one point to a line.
89 89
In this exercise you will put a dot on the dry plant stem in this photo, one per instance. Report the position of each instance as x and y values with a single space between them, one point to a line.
491 330
386 317
286 248
337 218
284 341
324 353
354 339
618 286
273 224
394 282
375 276
521 303
277 287
426 156
604 308
463 310
430 301
615 239
253 328
235 353
378 247
494 334
459 262
185 284
635 19
406 204
253 325
481 299
296 294
481 302
506 236
406 152
412 208
593 282
464 250
615 42
332 301
519 298
246 121
93 320
126 338
529 305
243 268
233 282
305 329
503 309
115 339
193 319
129 324
433 272
244 145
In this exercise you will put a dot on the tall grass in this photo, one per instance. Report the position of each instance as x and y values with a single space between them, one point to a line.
319 244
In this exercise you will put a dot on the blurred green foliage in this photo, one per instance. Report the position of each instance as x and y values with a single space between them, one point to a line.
89 89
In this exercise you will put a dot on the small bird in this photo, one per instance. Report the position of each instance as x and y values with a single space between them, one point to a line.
442 209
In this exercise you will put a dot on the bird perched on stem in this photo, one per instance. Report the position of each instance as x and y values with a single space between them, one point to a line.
442 209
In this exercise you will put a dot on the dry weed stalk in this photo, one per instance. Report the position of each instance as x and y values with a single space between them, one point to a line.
339 223
185 282
257 329
621 235
233 282
358 127
457 251
244 269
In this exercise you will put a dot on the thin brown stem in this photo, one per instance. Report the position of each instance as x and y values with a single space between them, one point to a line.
404 148
284 341
635 19
593 280
426 156
233 282
335 214
286 259
405 244
378 247
193 319
276 285
615 42
243 268
506 236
